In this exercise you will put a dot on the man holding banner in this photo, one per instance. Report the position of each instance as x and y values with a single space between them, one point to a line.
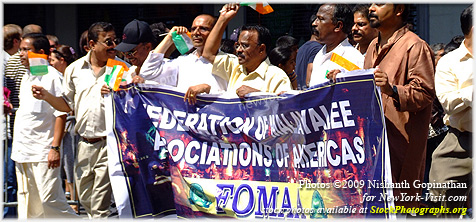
405 74
248 71
188 69
333 25
82 93
38 133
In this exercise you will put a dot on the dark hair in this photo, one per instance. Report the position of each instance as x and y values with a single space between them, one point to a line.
343 13
10 32
466 20
362 9
311 20
96 28
264 36
83 41
280 55
66 52
39 42
286 41
453 44
405 13
158 29
228 46
437 47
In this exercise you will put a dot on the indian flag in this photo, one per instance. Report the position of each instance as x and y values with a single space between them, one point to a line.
262 8
114 73
183 42
38 63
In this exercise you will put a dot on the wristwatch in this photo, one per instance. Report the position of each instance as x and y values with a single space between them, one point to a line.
395 92
56 148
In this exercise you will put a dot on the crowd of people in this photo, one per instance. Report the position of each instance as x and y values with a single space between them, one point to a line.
57 121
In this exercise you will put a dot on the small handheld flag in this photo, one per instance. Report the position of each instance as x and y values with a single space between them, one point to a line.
346 64
38 63
262 7
183 42
114 73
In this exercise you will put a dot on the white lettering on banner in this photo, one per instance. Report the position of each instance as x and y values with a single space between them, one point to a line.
306 121
312 155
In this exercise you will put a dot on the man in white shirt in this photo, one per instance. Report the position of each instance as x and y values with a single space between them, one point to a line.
82 84
334 23
452 159
189 69
38 133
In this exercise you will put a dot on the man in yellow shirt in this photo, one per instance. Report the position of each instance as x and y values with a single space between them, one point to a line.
248 71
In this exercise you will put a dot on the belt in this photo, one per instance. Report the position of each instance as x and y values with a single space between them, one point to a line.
94 140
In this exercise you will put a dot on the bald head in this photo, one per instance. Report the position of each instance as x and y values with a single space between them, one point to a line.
32 28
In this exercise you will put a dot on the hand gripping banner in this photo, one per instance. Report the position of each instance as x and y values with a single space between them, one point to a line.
316 154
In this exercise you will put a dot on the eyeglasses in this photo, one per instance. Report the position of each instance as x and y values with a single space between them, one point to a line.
110 42
244 46
133 51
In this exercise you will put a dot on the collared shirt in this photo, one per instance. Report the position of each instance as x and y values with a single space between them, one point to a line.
454 87
266 78
182 72
35 122
82 92
323 64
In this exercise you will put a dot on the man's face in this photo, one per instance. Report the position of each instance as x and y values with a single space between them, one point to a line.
104 47
324 25
248 51
361 31
137 55
25 46
201 27
380 13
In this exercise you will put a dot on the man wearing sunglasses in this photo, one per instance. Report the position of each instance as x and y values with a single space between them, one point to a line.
82 84
186 70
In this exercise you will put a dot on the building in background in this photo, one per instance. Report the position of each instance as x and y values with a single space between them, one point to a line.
432 22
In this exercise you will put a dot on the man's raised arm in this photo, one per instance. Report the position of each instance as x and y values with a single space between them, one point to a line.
213 41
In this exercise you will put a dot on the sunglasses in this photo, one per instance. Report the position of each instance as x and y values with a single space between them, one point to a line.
110 42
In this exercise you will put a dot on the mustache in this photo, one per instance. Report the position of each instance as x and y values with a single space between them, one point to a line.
356 33
373 15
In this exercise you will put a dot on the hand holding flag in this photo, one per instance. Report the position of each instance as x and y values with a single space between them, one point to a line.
115 73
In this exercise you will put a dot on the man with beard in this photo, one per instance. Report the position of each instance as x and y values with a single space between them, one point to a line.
362 33
305 57
82 84
248 71
405 74
333 25
186 70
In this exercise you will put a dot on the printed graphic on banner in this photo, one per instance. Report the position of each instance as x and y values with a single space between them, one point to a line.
310 155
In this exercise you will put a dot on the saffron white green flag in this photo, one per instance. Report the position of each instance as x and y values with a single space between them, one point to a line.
260 7
38 63
115 73
183 42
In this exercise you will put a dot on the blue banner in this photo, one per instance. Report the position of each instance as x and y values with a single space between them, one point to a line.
316 154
